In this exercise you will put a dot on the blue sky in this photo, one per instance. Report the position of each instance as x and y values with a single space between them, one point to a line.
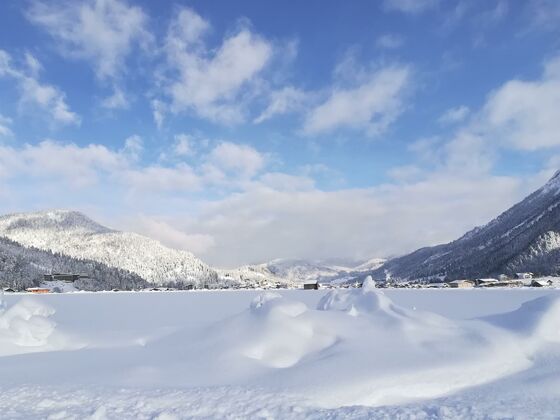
245 131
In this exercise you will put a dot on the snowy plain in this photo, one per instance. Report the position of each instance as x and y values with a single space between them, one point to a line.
356 353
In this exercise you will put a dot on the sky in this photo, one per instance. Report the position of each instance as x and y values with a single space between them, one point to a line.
248 131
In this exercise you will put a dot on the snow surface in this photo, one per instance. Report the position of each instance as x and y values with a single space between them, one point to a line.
348 353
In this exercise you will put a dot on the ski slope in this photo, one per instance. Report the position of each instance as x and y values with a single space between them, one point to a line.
348 353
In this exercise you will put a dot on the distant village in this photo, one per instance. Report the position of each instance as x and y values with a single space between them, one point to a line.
56 283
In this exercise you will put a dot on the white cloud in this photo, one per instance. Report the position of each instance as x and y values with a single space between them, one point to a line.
389 41
171 236
237 158
285 182
133 147
183 145
33 92
410 6
158 111
162 179
5 130
102 32
255 204
523 114
454 115
117 100
353 223
33 65
211 82
372 105
285 100
75 165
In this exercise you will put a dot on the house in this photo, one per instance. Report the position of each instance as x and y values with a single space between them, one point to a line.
486 282
311 285
67 277
461 284
523 276
9 290
507 283
436 285
38 290
541 283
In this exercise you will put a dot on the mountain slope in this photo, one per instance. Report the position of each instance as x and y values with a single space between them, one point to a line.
299 271
22 267
75 235
524 238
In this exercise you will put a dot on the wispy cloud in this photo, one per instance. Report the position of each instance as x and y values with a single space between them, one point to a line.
454 115
47 97
389 41
371 105
212 82
102 32
410 6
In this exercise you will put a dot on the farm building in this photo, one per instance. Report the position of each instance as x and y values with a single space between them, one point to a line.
541 283
67 277
524 276
486 282
505 283
38 290
461 284
311 285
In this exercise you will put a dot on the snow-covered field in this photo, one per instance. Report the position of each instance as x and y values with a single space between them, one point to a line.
351 353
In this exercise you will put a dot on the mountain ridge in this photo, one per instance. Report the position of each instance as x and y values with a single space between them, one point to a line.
505 245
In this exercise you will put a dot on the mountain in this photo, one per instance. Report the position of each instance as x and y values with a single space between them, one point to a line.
525 238
254 276
74 235
300 271
22 267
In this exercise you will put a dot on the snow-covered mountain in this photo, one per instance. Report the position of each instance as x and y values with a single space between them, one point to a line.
22 267
254 276
525 238
300 271
73 234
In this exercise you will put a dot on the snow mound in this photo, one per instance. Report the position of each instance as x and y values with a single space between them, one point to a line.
27 326
373 303
382 353
279 332
366 300
537 320
26 323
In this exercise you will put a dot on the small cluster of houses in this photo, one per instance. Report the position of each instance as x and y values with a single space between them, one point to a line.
522 279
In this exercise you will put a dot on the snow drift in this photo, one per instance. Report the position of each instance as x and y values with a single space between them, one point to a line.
322 351
27 327
359 347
